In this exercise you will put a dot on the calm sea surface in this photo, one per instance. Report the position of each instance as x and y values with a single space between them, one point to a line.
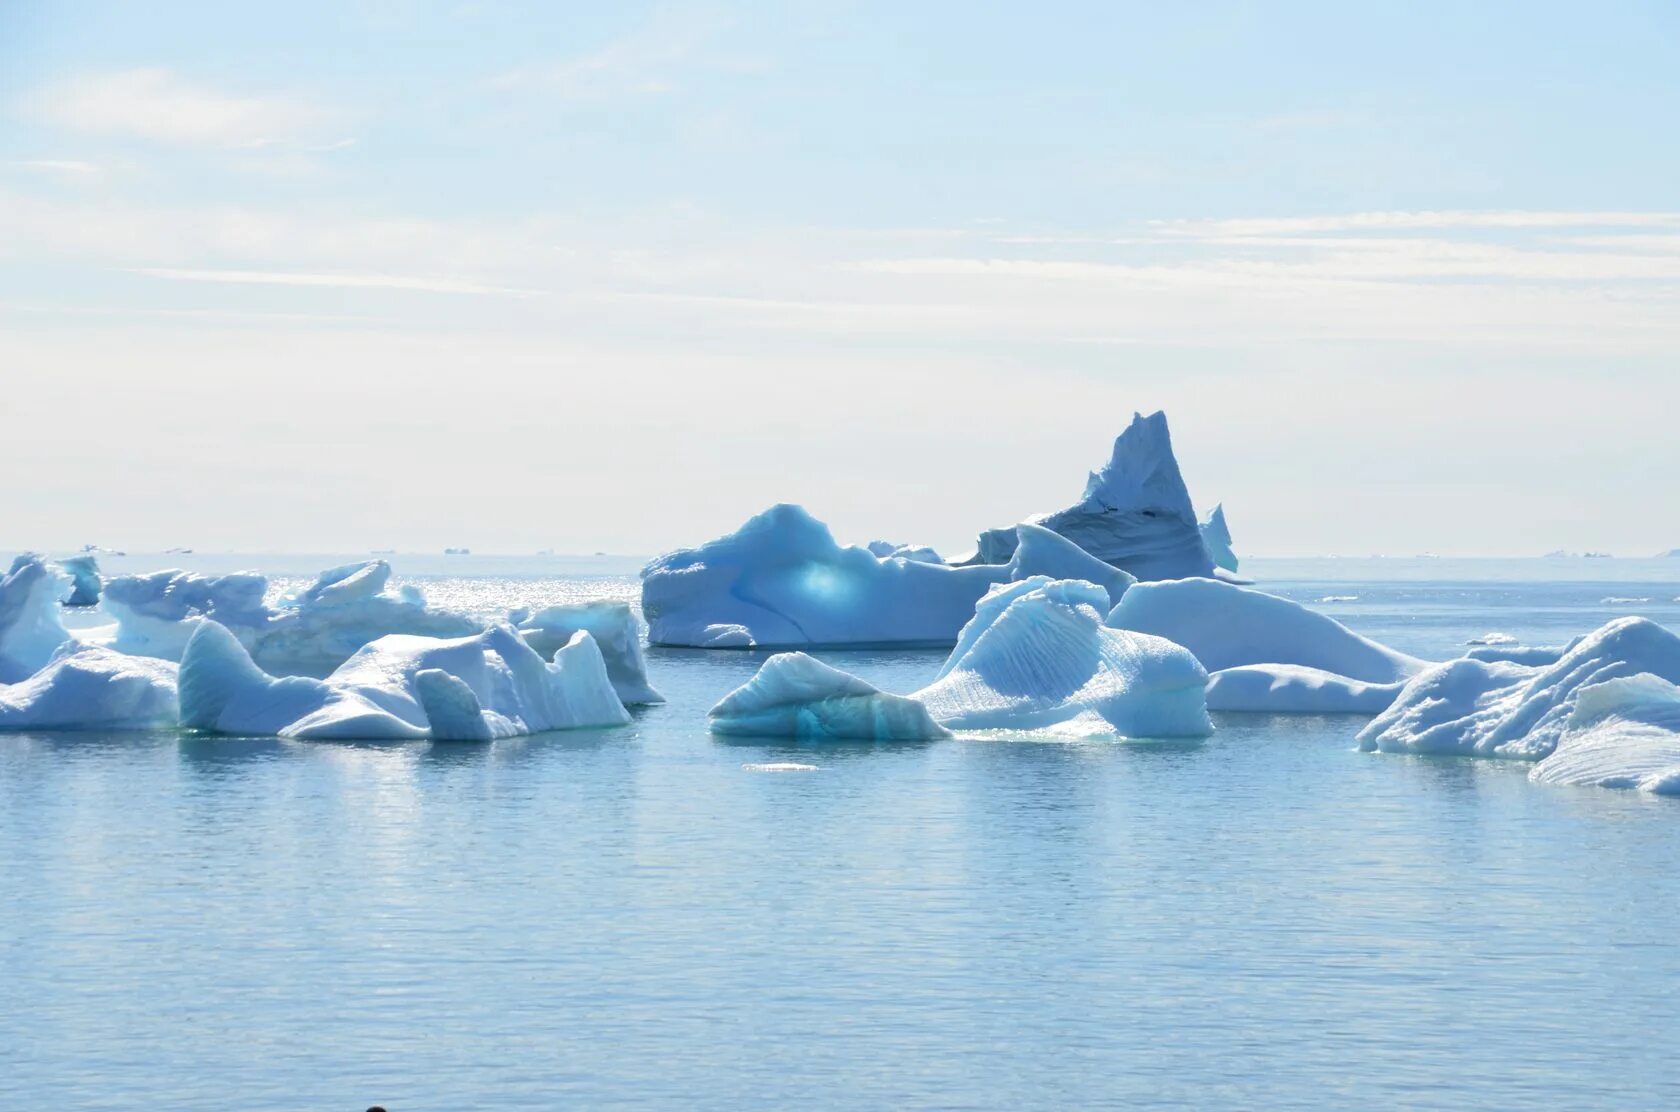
644 917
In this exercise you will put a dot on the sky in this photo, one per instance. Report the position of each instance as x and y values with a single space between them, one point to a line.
353 275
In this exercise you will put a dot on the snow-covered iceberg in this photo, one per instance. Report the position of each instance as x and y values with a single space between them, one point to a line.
1227 626
1501 709
1135 513
782 581
309 633
476 688
616 632
797 696
1037 657
31 628
84 687
85 583
1216 535
1624 733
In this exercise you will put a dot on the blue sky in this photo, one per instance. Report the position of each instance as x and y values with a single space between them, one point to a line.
1405 277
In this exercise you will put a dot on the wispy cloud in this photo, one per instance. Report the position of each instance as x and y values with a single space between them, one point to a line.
647 61
337 281
1402 221
162 106
69 169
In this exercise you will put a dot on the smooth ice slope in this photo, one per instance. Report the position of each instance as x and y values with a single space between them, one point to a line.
781 581
1624 733
1294 689
1216 535
491 685
1500 709
309 633
616 632
797 696
84 687
31 629
1037 657
1228 626
83 571
1135 514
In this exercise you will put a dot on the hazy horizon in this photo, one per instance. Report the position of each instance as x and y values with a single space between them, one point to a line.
515 277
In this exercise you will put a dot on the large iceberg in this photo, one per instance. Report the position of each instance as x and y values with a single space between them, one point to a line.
797 696
1623 733
616 632
85 583
1502 709
1227 626
31 628
782 581
476 688
1135 514
309 633
1037 657
85 687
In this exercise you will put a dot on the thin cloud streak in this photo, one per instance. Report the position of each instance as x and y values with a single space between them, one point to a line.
335 281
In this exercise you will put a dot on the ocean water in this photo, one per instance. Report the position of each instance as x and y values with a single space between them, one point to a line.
648 917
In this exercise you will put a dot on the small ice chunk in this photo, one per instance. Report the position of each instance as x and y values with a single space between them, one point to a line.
616 632
798 696
84 687
31 627
1492 639
83 571
1216 535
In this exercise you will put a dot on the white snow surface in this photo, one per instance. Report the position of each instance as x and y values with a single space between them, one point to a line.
797 696
31 628
489 685
616 632
1502 709
1624 733
1037 657
1228 626
84 687
309 633
782 581
1135 514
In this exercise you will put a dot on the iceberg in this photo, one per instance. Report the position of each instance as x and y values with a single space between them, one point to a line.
921 553
1037 657
1227 626
616 632
84 687
797 696
310 632
782 581
1623 733
1216 535
1502 709
1294 689
1135 514
31 628
83 571
401 686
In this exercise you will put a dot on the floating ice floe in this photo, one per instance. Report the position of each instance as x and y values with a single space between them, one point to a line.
1035 658
1281 656
616 632
782 581
797 696
1624 733
491 685
1135 513
1492 639
310 632
85 583
31 628
84 687
1519 654
1501 709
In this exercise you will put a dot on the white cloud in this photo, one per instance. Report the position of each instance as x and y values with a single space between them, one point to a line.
1400 220
337 281
164 107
